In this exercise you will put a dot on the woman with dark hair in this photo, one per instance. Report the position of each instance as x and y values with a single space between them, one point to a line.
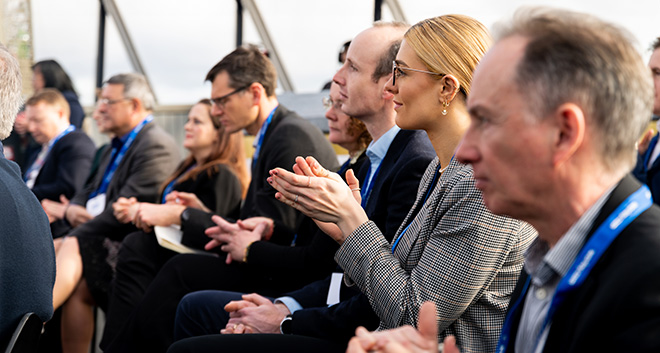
49 74
215 172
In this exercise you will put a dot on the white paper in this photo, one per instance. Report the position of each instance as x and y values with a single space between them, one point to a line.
96 205
170 238
335 287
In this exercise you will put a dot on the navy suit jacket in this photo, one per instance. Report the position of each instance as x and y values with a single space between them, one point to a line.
649 176
66 167
392 197
617 308
27 265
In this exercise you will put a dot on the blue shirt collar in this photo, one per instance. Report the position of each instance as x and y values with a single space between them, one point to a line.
378 149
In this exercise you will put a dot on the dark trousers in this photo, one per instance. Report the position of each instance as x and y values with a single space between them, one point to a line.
150 326
139 260
255 343
202 313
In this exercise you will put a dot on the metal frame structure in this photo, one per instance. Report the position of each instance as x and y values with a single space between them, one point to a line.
108 7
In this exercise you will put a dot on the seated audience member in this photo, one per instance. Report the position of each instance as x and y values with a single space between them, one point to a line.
341 57
346 131
448 227
27 268
556 151
49 74
243 91
648 163
62 165
141 157
215 172
55 208
20 145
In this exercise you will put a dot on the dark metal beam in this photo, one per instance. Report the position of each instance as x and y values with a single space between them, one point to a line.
113 11
378 10
282 75
239 23
100 53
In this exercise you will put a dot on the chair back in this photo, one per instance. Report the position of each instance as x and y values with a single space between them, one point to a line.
26 336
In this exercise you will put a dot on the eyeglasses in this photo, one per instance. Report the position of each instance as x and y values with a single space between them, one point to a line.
221 101
397 71
110 101
329 103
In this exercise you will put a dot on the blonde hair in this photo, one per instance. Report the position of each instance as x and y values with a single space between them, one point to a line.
450 44
52 97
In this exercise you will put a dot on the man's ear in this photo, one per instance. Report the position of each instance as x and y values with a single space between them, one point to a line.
570 122
384 81
448 89
256 90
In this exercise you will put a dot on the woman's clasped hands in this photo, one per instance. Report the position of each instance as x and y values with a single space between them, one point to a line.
321 195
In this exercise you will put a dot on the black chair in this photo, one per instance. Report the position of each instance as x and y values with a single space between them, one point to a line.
26 336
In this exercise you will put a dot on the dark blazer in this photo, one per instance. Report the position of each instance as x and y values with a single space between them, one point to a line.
77 115
617 308
392 197
649 176
312 255
287 137
150 159
220 192
66 167
27 268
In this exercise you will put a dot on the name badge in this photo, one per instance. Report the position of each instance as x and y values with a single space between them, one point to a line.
335 287
96 205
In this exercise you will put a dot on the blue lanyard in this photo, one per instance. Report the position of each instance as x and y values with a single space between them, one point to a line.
50 146
110 170
586 259
366 191
170 187
344 167
260 138
428 193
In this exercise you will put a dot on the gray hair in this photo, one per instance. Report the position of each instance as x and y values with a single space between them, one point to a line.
135 86
578 58
10 91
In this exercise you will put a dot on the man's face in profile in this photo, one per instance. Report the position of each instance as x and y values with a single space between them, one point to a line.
506 145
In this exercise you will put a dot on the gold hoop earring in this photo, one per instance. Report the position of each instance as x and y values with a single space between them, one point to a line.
444 107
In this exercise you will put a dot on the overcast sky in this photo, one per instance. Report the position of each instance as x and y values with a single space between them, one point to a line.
179 41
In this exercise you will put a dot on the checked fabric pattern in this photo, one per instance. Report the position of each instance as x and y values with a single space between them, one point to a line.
455 253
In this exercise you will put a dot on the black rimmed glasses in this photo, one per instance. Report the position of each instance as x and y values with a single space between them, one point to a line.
221 101
397 71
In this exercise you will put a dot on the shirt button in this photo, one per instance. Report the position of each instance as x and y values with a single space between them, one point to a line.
541 294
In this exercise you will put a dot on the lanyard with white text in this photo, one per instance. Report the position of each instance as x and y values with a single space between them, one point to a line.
260 138
615 223
110 170
50 146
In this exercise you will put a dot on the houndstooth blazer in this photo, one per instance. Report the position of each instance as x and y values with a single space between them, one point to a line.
455 253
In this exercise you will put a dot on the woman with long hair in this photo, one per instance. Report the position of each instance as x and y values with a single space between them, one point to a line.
215 172
50 74
450 249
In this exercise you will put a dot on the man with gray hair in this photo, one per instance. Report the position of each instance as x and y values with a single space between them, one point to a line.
556 150
141 156
27 268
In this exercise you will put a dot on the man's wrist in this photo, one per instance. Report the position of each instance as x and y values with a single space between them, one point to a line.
286 325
